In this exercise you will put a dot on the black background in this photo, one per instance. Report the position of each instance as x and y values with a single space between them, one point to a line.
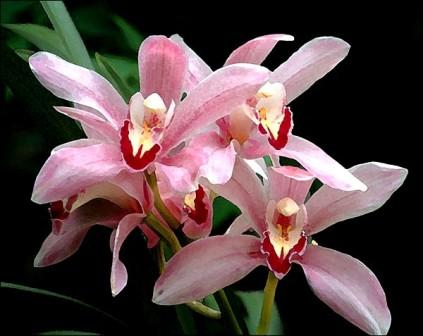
367 109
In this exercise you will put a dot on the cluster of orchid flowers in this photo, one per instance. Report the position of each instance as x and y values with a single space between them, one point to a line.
190 134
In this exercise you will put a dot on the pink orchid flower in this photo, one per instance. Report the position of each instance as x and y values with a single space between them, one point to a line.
120 204
262 124
285 222
134 137
194 210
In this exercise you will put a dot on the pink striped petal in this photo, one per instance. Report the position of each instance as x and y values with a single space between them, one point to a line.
348 287
245 190
205 266
240 224
207 155
162 65
119 275
70 170
256 50
197 68
212 99
310 63
79 85
328 206
57 247
103 130
288 181
321 165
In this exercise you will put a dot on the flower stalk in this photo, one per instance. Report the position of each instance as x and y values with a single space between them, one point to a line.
158 202
269 297
229 313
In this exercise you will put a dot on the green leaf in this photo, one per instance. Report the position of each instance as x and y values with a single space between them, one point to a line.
268 161
186 320
37 102
127 68
132 36
108 71
44 292
42 37
25 54
67 332
65 28
253 302
224 212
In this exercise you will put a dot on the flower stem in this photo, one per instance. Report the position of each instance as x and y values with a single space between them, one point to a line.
158 202
229 313
269 297
168 235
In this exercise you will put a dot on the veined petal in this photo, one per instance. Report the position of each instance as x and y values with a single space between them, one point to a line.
103 130
205 266
212 99
207 155
348 287
321 165
79 85
256 50
162 65
288 181
119 275
310 63
245 190
57 247
197 68
328 206
70 170
240 224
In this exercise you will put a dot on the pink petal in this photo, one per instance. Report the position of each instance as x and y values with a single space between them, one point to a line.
152 237
255 51
348 287
328 206
197 68
207 155
310 63
206 265
288 181
103 130
212 99
119 275
321 165
245 190
162 65
57 247
79 85
240 224
70 170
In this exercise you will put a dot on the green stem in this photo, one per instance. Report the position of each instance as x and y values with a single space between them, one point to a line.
202 309
269 297
158 202
168 235
229 313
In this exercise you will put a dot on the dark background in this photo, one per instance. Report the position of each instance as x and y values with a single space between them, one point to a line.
365 110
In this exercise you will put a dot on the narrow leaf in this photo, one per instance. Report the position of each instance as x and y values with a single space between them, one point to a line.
44 292
42 37
186 320
253 302
25 54
132 36
65 28
108 71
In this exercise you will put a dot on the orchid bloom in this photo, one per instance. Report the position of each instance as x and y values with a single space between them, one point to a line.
120 204
154 125
285 223
262 124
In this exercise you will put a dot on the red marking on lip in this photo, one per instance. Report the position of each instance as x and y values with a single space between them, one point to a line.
137 162
284 128
282 264
200 211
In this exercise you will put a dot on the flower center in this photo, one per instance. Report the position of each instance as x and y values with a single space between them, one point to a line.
195 205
